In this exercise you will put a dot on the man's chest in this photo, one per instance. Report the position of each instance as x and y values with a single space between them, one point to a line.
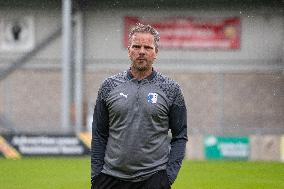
141 98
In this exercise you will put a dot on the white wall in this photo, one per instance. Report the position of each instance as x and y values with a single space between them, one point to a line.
45 22
262 36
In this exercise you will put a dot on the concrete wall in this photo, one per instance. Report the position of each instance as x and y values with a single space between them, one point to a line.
246 105
31 100
265 147
105 33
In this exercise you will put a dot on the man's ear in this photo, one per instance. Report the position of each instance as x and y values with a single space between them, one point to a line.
128 50
156 50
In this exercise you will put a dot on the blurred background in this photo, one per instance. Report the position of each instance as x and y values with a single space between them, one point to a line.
227 55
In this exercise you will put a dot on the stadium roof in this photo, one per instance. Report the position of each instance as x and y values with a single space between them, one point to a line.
89 4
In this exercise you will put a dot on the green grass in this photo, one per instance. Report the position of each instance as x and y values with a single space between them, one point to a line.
74 173
230 175
45 173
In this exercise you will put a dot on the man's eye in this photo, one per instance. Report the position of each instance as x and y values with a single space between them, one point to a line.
136 46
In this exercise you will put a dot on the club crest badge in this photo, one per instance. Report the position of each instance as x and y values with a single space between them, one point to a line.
152 98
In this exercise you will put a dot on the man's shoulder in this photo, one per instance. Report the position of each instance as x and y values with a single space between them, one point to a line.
166 81
171 88
115 79
110 83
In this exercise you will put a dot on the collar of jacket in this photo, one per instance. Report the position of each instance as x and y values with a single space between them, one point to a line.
149 78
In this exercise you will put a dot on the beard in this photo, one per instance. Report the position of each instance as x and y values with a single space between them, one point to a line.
142 65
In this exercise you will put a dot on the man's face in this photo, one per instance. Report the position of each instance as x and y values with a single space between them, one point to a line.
142 52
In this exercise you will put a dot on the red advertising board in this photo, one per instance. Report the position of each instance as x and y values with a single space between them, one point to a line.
191 32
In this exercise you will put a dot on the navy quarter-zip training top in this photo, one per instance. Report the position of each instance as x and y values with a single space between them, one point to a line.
131 121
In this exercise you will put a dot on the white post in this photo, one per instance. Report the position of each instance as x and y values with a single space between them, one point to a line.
79 72
66 63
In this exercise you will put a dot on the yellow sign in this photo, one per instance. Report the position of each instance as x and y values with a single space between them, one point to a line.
8 151
86 138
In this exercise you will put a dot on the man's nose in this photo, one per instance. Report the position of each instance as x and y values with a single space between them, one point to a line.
142 50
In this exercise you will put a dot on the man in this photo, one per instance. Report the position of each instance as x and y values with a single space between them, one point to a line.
131 148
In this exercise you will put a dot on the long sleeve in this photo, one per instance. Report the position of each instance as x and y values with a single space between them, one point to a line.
178 126
99 137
